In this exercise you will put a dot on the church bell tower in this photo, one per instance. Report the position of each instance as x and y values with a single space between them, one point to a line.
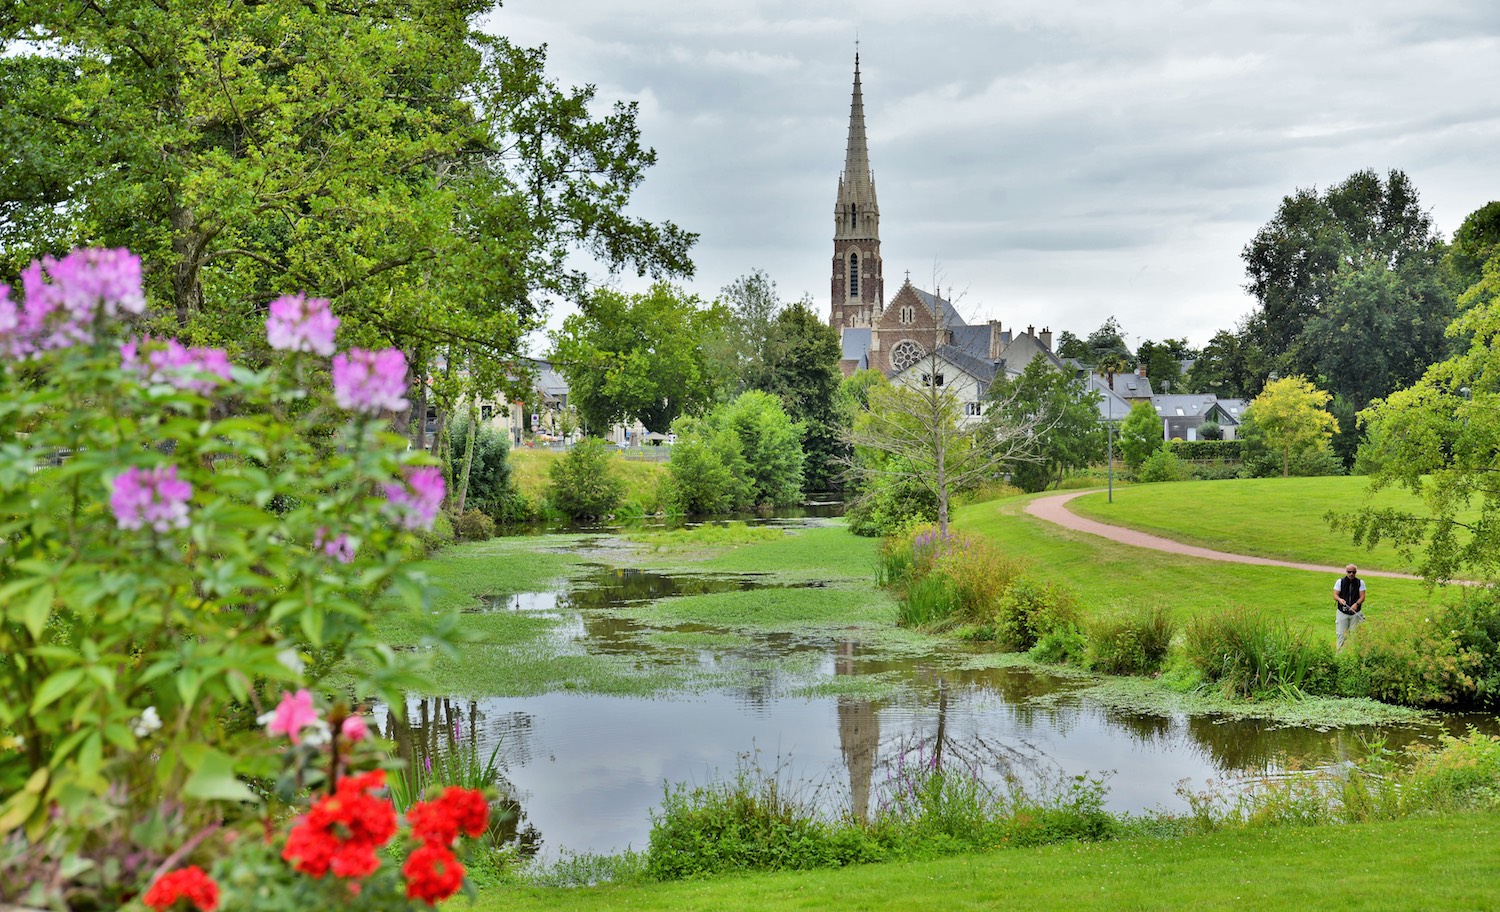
858 287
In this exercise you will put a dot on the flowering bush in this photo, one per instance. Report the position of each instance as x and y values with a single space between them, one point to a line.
179 535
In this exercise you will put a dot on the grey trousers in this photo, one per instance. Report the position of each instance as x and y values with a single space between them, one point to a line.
1345 623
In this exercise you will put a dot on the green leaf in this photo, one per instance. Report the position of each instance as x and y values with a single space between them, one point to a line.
214 780
55 688
33 612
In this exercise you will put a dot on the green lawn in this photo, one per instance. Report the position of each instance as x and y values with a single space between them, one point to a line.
1268 517
1106 574
1447 863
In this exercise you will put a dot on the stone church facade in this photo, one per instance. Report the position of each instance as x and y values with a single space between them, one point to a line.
916 323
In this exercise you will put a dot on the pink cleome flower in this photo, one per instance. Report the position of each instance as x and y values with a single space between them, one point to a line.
338 547
300 323
65 297
415 504
154 497
370 382
198 370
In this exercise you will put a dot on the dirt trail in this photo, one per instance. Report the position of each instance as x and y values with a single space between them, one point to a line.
1054 510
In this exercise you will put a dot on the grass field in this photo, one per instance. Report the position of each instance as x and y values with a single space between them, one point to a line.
1268 517
1107 575
529 471
1420 864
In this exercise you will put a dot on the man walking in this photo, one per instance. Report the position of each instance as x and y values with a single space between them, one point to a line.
1349 596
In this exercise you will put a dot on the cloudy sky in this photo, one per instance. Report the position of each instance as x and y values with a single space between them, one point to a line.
1054 161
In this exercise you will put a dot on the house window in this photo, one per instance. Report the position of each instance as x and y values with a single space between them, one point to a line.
939 381
486 412
973 409
853 275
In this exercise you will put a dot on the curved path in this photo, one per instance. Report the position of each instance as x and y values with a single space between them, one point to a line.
1053 509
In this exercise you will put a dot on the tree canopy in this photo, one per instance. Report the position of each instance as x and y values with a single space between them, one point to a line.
431 180
639 357
1349 286
1068 434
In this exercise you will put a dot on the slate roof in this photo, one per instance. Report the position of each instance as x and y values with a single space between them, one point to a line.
856 341
973 339
947 315
981 369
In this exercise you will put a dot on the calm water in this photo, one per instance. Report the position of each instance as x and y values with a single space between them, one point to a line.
586 770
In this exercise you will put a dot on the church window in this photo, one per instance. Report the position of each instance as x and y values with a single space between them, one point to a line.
853 214
905 354
853 275
908 315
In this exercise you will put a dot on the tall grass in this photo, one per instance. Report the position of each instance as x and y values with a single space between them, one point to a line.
1249 655
1130 642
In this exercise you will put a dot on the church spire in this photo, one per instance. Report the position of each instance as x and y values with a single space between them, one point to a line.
857 214
858 289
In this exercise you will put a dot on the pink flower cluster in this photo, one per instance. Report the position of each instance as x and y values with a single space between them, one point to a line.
299 323
154 497
370 382
415 503
338 547
198 370
65 297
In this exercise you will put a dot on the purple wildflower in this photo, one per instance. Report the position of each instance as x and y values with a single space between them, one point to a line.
299 323
338 547
167 361
370 382
155 497
415 503
64 298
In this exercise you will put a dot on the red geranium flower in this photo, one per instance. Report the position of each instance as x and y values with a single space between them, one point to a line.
344 831
455 811
432 873
189 883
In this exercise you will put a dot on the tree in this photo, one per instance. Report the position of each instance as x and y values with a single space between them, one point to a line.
1292 415
1066 415
638 356
1107 344
741 455
802 370
1070 346
1439 438
1231 366
428 178
1475 243
913 435
1140 434
754 304
1351 274
1163 361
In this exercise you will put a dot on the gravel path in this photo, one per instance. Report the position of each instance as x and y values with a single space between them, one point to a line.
1054 510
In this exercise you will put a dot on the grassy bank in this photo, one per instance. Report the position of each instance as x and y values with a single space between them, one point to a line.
530 467
1107 575
1445 863
1268 517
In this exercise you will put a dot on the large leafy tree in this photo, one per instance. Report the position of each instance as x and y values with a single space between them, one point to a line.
1231 366
802 369
1066 414
638 356
1439 438
1140 435
430 179
1349 285
1163 361
1292 415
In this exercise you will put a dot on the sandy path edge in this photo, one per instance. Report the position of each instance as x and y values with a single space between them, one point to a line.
1054 509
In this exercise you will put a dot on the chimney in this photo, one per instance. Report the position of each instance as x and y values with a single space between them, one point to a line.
994 340
1046 338
1030 330
1141 370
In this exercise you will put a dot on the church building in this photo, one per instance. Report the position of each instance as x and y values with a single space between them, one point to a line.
915 324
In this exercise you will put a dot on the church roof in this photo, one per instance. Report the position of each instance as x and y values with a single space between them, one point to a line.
856 341
947 315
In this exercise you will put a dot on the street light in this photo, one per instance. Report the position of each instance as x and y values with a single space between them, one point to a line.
1109 426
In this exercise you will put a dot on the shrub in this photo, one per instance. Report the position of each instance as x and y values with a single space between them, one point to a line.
944 581
1140 435
1063 645
1410 662
1030 609
1133 642
474 525
491 488
1226 450
583 484
887 505
1163 465
1216 471
700 481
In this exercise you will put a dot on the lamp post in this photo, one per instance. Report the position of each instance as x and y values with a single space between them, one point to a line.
1109 426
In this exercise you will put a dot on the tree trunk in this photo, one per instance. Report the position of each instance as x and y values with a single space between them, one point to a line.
187 248
463 482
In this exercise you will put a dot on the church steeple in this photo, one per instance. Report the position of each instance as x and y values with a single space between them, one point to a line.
857 288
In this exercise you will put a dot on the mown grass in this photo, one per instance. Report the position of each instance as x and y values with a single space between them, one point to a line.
823 552
1268 517
1446 863
707 535
1107 575
775 609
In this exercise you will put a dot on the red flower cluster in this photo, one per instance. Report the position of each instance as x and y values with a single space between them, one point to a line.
344 831
433 873
189 883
